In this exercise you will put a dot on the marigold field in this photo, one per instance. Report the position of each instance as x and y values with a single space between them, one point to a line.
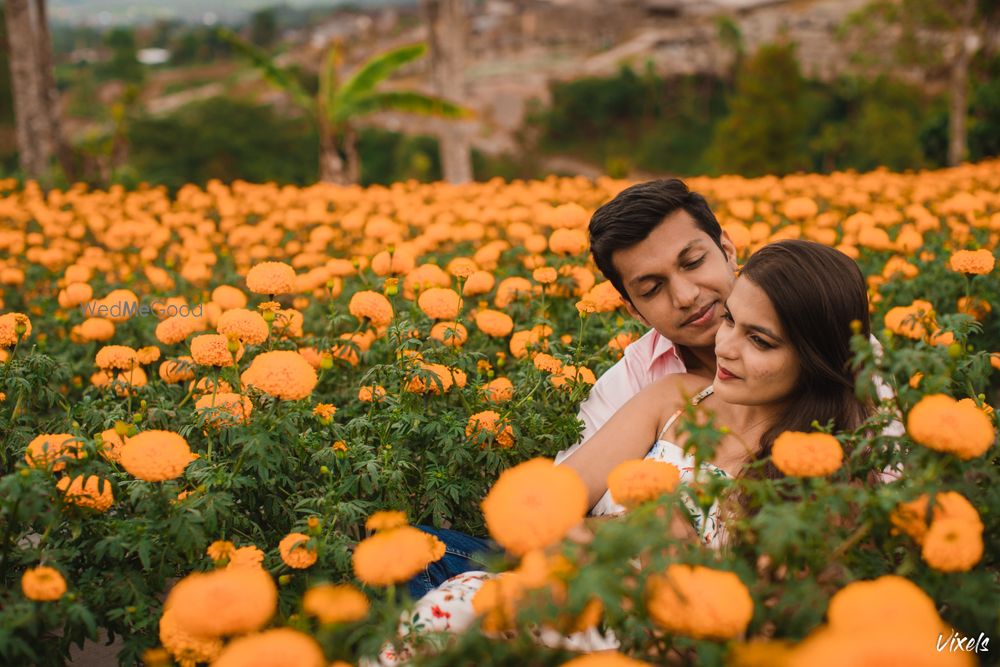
223 412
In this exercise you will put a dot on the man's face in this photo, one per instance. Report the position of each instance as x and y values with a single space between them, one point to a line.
677 280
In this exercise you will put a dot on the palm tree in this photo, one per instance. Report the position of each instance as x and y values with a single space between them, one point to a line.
337 105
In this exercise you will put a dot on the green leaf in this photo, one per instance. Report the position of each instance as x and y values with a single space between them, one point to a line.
405 101
273 74
377 70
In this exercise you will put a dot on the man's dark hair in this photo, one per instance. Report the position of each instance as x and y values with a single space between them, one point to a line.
633 215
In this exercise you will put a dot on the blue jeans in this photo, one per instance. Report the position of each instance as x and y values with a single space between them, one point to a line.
462 553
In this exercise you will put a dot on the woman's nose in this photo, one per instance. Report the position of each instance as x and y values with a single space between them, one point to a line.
724 347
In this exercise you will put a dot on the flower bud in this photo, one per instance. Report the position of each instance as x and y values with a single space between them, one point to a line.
326 362
268 316
284 579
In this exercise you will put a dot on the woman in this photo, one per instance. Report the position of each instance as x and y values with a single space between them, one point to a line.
784 361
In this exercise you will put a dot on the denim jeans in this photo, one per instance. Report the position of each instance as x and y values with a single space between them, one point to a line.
462 553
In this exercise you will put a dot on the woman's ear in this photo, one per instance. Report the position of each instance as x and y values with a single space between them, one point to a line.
729 248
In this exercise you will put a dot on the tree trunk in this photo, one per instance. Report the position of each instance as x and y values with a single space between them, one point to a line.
353 159
63 151
446 28
958 92
331 165
35 142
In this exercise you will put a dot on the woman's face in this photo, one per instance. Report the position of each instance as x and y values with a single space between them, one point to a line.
757 365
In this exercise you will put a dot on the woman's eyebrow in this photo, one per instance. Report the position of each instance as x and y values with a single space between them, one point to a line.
754 327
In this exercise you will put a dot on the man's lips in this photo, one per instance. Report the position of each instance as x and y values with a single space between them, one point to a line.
700 314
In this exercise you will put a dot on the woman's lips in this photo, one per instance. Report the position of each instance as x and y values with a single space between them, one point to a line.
724 375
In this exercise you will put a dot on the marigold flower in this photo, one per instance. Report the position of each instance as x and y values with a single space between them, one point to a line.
499 390
43 584
271 278
324 412
295 553
544 275
331 603
110 444
620 342
173 330
249 327
533 505
398 263
229 297
974 307
568 242
914 321
953 545
116 357
441 381
283 374
393 556
484 427
494 323
224 409
440 303
973 262
231 601
156 456
699 602
807 454
605 659
220 550
213 350
479 282
93 492
547 363
887 602
74 294
423 278
10 323
371 393
386 520
635 482
176 370
187 649
208 386
279 647
943 424
912 517
461 267
511 289
452 334
572 373
99 329
51 450
249 556
147 355
371 305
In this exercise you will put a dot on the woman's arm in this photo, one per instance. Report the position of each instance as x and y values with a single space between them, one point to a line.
628 435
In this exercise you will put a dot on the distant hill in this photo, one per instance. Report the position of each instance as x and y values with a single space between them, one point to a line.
107 12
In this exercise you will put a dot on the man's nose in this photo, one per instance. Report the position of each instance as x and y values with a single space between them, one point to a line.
685 294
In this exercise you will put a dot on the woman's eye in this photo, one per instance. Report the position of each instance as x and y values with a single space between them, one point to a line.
727 316
760 342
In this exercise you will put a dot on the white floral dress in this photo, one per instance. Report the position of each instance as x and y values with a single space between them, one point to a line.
448 608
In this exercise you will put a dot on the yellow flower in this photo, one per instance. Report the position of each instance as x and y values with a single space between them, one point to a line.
335 604
972 261
271 278
51 450
635 482
43 584
213 350
494 323
249 327
93 492
484 425
371 394
807 454
116 357
533 505
911 517
699 602
394 556
186 648
953 545
284 374
945 425
386 520
220 550
231 601
10 324
372 306
440 303
324 412
295 553
156 456
280 647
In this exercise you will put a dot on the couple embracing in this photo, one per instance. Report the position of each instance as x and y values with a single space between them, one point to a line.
766 348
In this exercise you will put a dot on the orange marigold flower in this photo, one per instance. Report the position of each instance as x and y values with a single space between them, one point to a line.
224 409
452 334
220 550
461 267
271 278
544 275
533 505
283 374
571 374
604 296
974 307
324 412
807 454
51 450
483 427
295 552
548 363
331 603
371 305
14 326
494 323
93 492
110 445
186 649
43 584
156 456
699 602
208 386
100 329
943 424
371 393
440 303
441 380
249 327
480 282
246 557
213 350
386 520
888 601
605 659
280 647
620 342
912 517
74 294
230 601
424 277
953 545
973 262
499 390
116 357
172 330
635 482
229 297
914 321
393 556
147 355
511 289
568 241
399 262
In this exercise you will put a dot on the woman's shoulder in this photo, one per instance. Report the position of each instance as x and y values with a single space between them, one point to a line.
680 386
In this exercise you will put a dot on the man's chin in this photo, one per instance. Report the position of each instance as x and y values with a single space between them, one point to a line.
703 338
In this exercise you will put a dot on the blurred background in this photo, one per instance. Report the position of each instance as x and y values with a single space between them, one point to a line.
191 90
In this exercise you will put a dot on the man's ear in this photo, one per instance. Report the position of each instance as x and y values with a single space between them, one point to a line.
729 248
635 313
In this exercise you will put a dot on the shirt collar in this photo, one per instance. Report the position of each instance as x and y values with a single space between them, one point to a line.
663 347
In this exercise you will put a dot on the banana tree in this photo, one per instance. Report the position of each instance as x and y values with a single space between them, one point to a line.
337 105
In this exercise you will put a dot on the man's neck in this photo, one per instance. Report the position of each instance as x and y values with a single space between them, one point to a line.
698 360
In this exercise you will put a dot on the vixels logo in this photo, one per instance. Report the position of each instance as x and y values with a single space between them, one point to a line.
957 642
